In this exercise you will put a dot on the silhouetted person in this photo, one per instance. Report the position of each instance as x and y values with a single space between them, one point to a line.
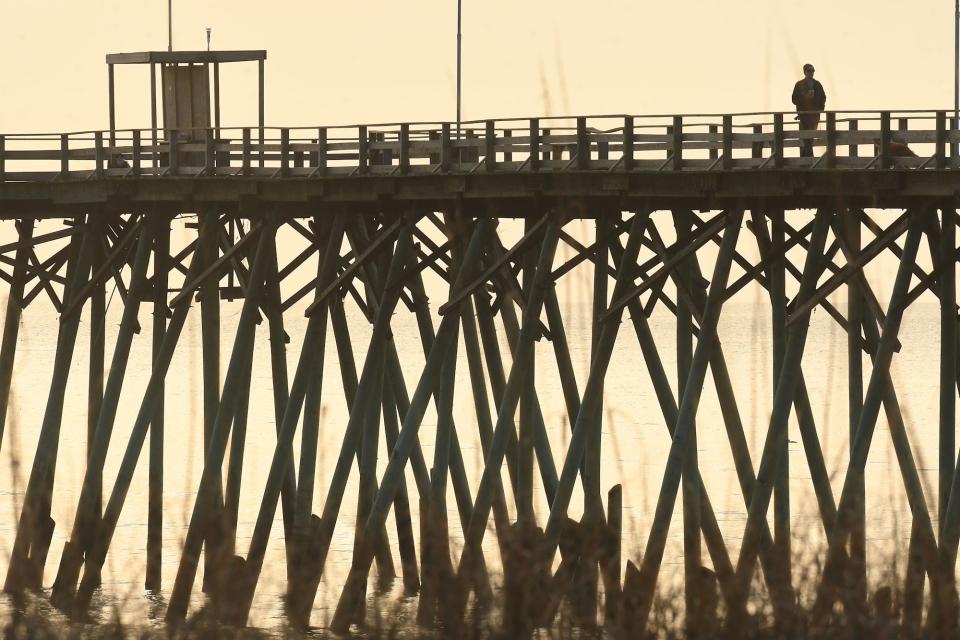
810 99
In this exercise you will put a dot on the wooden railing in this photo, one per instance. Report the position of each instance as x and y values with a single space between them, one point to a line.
734 142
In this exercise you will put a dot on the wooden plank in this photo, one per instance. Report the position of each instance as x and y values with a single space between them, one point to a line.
186 57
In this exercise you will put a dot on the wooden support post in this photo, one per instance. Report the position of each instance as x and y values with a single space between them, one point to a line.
757 146
776 273
507 142
680 446
98 337
850 496
783 399
690 477
208 508
154 133
3 158
209 296
850 224
948 355
853 127
525 515
95 553
86 523
161 272
216 98
12 313
245 152
35 525
714 151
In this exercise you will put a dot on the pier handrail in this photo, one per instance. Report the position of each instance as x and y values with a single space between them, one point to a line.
759 141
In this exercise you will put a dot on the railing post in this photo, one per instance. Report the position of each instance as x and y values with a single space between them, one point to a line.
941 145
507 154
404 148
245 151
174 154
831 139
64 155
98 153
852 129
284 152
208 152
322 151
884 139
777 140
727 151
490 146
363 150
677 143
628 143
3 158
583 144
714 150
445 147
757 146
137 153
534 144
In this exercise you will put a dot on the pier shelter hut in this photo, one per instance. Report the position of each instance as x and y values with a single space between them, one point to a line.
187 93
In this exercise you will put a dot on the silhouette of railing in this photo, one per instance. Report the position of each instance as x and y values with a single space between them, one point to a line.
733 142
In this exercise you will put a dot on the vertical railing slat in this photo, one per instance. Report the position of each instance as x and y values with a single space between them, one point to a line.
583 144
245 152
284 152
98 153
884 139
363 150
941 145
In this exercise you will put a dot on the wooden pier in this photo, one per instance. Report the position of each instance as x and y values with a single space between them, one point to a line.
368 203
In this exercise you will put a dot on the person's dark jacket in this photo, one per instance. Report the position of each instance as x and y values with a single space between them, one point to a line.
819 96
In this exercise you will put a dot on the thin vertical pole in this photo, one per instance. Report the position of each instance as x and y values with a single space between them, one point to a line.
161 252
216 97
260 106
169 25
153 115
459 38
11 323
113 113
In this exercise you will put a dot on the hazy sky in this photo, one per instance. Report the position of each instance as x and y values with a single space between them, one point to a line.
379 61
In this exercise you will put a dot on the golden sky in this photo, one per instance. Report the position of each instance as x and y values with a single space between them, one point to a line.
382 61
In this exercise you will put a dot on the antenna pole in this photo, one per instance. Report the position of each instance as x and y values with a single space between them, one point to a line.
169 25
459 37
956 65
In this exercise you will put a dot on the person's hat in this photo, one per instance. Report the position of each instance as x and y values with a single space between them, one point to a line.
808 67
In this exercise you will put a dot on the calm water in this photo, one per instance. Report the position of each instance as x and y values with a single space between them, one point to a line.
634 448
